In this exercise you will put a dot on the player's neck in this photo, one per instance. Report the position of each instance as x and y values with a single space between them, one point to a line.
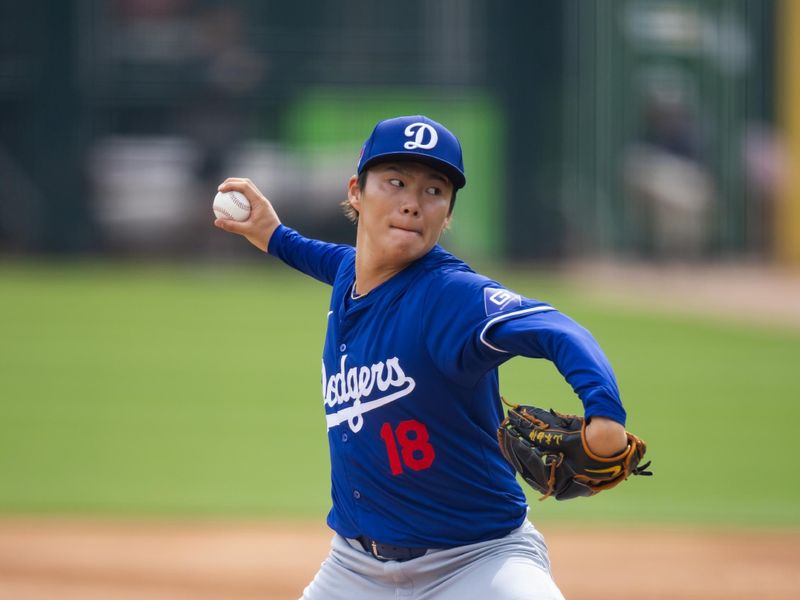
374 263
371 273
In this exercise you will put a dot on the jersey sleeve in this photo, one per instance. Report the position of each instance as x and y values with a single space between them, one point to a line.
572 349
458 308
473 324
316 259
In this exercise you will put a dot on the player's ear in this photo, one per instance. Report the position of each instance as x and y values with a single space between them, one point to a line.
448 219
354 192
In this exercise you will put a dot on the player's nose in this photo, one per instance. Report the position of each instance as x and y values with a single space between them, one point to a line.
410 205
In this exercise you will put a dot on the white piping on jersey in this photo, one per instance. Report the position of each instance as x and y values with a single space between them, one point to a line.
506 316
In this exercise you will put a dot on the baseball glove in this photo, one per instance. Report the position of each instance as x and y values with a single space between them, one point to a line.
549 450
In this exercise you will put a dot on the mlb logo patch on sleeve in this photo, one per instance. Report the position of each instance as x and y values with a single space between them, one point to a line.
498 299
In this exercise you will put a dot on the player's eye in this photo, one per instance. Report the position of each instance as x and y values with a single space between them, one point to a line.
434 191
396 182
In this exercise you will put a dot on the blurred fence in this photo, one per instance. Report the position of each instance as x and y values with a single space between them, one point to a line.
635 127
669 140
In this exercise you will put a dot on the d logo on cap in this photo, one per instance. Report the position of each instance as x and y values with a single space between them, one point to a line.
418 131
414 138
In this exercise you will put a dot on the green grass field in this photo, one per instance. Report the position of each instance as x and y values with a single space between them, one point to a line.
194 391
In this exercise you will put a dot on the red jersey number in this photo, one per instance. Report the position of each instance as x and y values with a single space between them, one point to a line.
415 449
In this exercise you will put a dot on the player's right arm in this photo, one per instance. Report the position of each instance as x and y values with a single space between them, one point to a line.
264 230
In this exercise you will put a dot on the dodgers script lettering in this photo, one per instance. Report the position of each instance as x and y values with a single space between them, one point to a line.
352 384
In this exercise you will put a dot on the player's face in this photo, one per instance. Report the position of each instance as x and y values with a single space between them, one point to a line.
402 210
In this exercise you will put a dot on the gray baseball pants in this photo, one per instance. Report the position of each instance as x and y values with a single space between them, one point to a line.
514 567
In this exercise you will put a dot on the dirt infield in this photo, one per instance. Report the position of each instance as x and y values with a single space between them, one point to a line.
93 560
750 293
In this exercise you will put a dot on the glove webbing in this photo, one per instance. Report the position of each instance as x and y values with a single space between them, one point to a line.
553 460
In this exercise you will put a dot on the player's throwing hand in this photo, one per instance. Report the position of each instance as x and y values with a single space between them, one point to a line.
263 219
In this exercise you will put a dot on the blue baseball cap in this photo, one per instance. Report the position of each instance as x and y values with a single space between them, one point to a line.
415 138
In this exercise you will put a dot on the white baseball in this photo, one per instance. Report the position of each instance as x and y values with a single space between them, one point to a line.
231 205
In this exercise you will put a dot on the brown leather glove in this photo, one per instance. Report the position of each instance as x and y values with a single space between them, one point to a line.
550 451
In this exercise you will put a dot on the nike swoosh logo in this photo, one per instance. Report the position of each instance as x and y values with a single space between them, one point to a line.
613 471
353 414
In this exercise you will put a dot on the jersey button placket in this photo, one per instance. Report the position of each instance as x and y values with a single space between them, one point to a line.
342 347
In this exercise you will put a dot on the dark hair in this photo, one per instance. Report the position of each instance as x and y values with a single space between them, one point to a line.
352 214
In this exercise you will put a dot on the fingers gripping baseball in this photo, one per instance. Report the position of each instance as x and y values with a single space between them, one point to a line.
263 220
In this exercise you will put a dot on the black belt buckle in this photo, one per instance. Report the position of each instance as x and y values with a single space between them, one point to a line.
387 552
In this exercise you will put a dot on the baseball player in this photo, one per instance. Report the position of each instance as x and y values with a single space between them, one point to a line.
424 504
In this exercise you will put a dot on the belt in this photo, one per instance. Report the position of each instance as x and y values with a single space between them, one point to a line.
389 552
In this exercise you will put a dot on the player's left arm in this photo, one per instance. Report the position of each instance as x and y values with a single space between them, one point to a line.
580 360
473 325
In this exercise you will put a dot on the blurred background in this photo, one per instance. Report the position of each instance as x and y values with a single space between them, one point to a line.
632 162
642 128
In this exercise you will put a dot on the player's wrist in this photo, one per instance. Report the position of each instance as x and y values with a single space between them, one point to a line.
269 234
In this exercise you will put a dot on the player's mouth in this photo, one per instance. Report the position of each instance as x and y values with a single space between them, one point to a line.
406 229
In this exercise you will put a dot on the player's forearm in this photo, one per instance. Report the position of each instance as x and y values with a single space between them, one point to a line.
574 352
315 258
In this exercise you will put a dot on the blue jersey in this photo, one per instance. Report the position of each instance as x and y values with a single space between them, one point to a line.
410 392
